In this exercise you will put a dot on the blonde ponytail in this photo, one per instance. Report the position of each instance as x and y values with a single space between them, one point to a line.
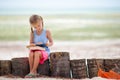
31 29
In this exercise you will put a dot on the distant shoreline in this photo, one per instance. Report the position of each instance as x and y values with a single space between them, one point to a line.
57 12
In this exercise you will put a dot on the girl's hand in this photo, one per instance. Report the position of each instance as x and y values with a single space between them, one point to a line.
47 44
39 43
32 44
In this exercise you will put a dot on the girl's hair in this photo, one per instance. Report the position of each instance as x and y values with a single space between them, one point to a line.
33 19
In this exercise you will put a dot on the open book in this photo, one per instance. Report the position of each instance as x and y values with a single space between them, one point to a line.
31 47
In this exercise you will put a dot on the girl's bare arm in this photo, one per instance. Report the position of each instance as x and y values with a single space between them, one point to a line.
31 39
49 36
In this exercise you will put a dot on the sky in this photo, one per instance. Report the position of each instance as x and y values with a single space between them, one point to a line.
58 4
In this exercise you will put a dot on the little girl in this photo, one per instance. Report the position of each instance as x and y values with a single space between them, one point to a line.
39 36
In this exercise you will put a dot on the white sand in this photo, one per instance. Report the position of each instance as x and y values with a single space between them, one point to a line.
77 49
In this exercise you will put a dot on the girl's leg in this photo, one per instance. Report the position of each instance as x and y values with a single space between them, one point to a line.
31 60
37 57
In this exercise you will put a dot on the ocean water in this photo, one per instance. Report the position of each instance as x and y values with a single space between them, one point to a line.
27 11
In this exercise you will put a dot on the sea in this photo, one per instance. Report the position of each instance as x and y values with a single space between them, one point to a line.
29 11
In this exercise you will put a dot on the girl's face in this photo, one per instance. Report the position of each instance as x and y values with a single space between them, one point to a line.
38 25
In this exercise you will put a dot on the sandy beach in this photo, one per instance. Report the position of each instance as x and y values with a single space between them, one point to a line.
77 49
